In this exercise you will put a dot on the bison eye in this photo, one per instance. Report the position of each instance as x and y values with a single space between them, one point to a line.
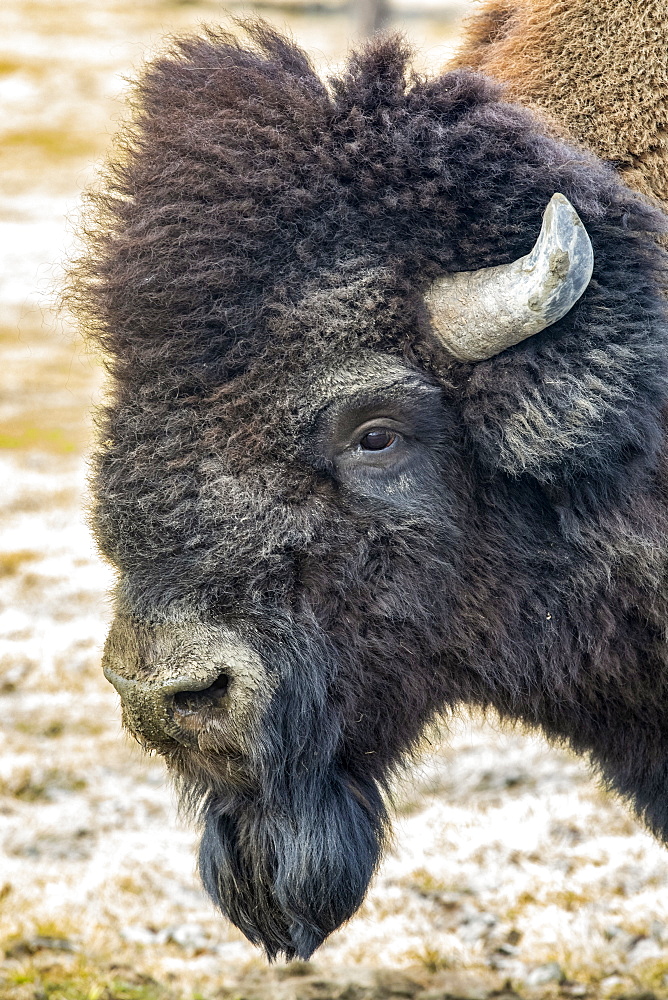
377 439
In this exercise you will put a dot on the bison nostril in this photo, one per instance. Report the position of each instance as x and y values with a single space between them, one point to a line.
190 702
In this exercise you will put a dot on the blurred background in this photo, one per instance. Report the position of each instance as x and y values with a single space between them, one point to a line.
511 872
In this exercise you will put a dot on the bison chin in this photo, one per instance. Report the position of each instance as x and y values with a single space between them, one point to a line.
291 835
288 872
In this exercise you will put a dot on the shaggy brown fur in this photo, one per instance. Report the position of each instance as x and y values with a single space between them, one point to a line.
255 280
600 70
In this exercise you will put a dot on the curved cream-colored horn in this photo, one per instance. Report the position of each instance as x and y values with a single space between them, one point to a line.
477 314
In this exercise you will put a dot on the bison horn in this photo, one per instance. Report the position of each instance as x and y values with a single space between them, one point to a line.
477 314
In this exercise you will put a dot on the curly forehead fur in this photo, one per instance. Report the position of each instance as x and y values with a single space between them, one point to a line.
243 179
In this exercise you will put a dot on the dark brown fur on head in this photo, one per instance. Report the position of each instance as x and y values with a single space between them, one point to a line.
254 277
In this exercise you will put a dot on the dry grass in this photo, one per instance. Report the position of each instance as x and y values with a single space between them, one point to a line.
12 563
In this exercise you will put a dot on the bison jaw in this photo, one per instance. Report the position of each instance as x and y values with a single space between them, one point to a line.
477 314
290 838
290 844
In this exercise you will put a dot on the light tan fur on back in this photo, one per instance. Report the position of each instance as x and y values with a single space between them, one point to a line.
598 68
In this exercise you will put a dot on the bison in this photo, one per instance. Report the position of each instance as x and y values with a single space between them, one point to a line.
379 444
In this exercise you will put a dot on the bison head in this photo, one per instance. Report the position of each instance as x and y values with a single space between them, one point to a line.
341 497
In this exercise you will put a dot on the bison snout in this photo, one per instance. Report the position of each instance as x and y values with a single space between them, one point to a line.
184 681
178 708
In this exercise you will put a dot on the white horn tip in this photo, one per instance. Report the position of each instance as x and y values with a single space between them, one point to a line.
564 253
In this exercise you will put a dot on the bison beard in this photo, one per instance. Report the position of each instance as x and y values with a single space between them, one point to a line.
290 868
291 838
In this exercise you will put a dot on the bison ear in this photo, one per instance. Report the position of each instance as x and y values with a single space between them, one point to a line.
477 314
